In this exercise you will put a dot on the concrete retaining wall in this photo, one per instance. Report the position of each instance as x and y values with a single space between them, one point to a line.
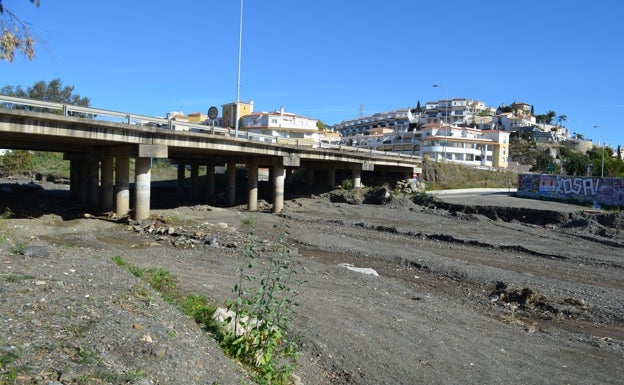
607 192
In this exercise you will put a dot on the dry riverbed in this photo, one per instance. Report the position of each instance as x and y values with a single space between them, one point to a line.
458 296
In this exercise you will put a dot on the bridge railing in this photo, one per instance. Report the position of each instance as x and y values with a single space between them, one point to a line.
71 110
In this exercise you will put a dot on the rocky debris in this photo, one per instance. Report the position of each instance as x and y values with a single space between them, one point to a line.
352 197
380 196
410 186
187 236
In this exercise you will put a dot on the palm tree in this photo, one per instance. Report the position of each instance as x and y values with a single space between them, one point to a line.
550 115
562 118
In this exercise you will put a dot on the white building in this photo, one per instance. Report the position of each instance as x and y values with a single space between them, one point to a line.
463 145
457 111
281 124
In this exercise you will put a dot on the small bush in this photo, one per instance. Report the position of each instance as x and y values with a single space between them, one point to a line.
346 184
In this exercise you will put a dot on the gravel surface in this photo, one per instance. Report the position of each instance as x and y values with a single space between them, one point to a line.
462 294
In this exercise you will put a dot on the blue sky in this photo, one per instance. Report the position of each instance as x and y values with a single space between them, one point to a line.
327 59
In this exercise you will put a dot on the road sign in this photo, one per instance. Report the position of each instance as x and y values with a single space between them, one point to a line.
213 112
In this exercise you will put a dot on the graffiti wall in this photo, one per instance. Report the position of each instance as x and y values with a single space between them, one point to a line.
583 189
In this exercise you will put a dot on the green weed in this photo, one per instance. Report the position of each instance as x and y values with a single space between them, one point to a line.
264 307
14 278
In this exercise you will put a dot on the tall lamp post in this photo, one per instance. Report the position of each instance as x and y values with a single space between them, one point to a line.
448 121
603 151
240 46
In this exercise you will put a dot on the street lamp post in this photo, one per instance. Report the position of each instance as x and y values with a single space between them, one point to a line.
240 46
603 152
448 121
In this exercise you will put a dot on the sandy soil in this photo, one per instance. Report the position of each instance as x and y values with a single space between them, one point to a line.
460 298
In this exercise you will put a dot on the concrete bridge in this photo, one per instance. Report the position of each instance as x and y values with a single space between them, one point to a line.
99 152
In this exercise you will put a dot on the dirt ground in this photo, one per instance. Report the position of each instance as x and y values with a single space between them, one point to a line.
473 293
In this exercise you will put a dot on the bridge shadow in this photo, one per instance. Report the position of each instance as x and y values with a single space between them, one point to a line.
34 199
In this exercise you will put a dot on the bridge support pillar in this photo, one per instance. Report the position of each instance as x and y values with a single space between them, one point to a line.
180 179
252 184
94 183
194 180
122 186
356 175
142 188
106 189
231 183
278 188
331 177
210 179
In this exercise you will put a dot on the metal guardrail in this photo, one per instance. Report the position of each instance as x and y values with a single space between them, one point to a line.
128 118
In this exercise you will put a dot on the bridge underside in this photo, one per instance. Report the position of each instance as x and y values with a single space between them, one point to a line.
101 153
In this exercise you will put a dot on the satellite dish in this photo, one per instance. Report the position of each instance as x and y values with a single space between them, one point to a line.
213 112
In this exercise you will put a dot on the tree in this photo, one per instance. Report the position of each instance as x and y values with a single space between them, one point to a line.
550 115
15 35
542 163
562 119
577 163
54 91
321 126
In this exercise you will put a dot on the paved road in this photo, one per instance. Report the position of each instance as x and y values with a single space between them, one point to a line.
500 197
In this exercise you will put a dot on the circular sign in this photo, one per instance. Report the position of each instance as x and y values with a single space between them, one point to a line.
213 112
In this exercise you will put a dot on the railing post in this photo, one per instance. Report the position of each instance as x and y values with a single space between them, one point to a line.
128 118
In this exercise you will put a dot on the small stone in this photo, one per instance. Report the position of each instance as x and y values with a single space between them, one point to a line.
137 326
158 351
35 251
147 338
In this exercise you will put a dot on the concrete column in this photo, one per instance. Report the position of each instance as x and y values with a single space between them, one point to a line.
230 187
357 177
106 189
122 186
210 179
142 187
252 184
278 188
194 180
94 183
180 179
331 177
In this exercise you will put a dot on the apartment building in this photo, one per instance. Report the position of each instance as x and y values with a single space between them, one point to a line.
457 111
398 120
463 145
